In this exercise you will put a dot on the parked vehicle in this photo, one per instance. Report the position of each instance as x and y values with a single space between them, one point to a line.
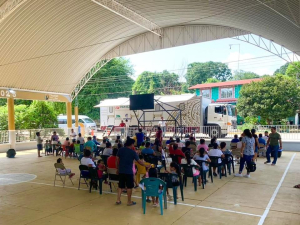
89 124
198 113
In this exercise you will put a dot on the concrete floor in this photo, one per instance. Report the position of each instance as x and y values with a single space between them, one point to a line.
227 201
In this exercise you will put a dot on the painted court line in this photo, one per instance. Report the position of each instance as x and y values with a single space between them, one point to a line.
178 203
262 219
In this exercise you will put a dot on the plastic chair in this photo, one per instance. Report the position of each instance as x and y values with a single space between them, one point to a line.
152 188
228 160
94 178
215 163
202 172
167 177
84 174
112 177
58 167
188 172
261 149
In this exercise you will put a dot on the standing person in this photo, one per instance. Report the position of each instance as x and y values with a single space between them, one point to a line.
253 131
122 125
157 147
158 135
273 144
39 142
124 164
54 138
73 135
266 137
247 152
162 124
81 139
139 137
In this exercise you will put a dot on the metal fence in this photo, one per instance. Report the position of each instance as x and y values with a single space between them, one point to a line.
30 134
4 136
288 132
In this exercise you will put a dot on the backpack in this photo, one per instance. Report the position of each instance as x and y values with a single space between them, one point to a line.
11 153
251 167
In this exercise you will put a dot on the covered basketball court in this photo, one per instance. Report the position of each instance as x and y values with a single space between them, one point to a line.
50 49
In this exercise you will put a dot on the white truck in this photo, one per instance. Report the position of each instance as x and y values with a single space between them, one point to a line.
198 114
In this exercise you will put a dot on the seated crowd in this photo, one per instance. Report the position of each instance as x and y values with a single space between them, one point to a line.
139 157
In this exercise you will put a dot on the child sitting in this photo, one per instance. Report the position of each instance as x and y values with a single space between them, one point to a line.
66 171
77 148
72 148
142 146
192 162
174 169
141 170
101 168
204 157
47 147
152 172
224 149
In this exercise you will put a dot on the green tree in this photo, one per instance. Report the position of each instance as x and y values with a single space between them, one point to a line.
164 83
198 73
212 80
244 75
282 69
40 114
274 98
293 70
111 81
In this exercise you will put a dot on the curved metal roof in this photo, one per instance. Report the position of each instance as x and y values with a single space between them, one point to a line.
51 45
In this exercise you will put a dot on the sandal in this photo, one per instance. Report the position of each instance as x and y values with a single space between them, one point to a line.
297 186
118 203
132 203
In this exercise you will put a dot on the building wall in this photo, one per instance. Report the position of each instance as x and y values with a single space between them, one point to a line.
237 89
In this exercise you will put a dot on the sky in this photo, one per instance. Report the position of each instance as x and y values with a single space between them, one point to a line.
176 59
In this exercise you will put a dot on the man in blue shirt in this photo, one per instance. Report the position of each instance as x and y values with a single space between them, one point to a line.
235 139
148 150
95 140
124 164
169 141
139 137
261 140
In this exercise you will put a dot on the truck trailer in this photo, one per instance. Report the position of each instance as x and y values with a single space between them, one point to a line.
197 113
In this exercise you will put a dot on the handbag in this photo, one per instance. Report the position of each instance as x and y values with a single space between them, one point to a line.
251 167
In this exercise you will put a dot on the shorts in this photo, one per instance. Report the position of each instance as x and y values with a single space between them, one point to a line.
40 147
126 180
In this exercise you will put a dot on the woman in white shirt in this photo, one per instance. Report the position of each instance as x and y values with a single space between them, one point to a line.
217 153
187 160
86 159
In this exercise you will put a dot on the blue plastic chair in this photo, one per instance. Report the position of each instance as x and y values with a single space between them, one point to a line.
152 189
